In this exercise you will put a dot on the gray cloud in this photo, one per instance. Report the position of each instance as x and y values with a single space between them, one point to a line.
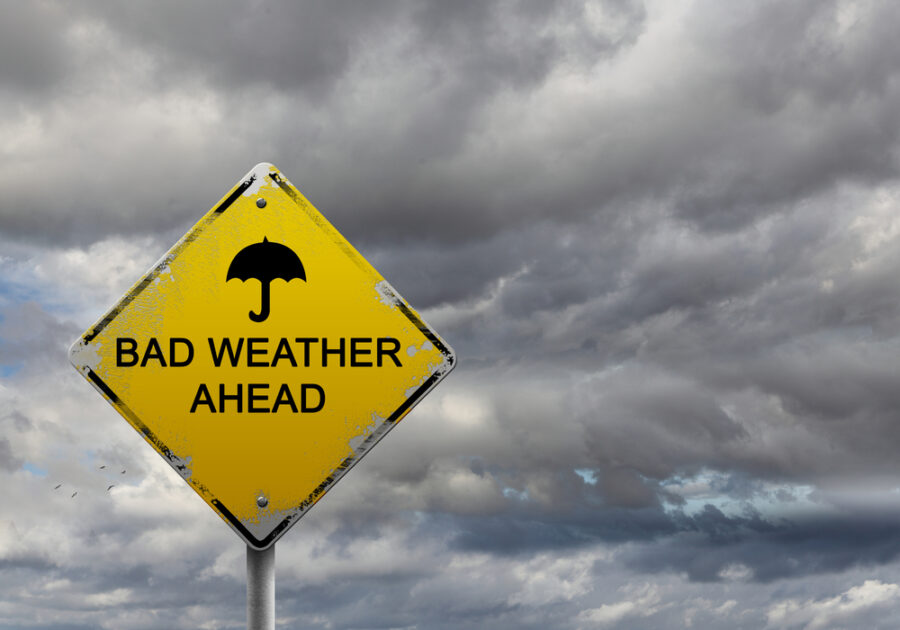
711 542
32 338
660 236
8 459
32 55
448 63
262 46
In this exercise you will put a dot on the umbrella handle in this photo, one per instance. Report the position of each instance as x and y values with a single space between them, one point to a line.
264 308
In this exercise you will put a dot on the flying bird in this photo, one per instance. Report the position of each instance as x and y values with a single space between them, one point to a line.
103 466
57 486
111 486
74 493
123 471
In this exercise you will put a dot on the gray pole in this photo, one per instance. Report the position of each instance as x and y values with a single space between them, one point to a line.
261 589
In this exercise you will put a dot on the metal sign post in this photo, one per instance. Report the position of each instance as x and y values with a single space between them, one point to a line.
261 588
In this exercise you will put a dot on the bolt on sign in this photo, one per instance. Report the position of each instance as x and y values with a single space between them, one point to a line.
262 356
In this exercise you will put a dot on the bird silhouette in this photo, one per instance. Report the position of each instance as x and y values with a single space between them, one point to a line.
57 486
123 471
111 486
103 466
74 493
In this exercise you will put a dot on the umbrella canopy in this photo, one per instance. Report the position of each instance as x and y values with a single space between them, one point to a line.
265 261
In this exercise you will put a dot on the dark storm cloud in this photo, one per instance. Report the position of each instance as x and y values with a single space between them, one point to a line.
32 53
645 430
438 168
773 52
704 545
262 45
423 124
368 109
639 412
544 267
711 542
696 140
662 244
308 46
812 102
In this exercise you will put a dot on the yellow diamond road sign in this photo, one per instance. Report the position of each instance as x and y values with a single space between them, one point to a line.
262 356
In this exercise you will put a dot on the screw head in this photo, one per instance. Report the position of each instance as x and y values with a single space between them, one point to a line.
262 501
260 203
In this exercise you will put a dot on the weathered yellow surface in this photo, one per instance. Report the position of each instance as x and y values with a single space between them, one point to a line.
235 457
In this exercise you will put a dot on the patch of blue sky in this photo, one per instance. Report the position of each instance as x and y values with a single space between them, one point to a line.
34 469
19 283
12 292
589 476
735 495
8 370
513 493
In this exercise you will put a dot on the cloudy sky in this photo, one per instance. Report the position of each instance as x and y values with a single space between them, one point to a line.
662 237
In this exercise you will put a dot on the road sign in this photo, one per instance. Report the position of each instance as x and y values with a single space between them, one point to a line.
262 356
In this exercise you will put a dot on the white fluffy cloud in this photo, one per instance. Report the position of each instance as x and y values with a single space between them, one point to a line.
851 608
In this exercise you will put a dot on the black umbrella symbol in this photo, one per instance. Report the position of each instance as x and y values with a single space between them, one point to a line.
265 261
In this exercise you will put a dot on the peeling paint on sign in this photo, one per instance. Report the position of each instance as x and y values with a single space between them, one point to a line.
262 378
